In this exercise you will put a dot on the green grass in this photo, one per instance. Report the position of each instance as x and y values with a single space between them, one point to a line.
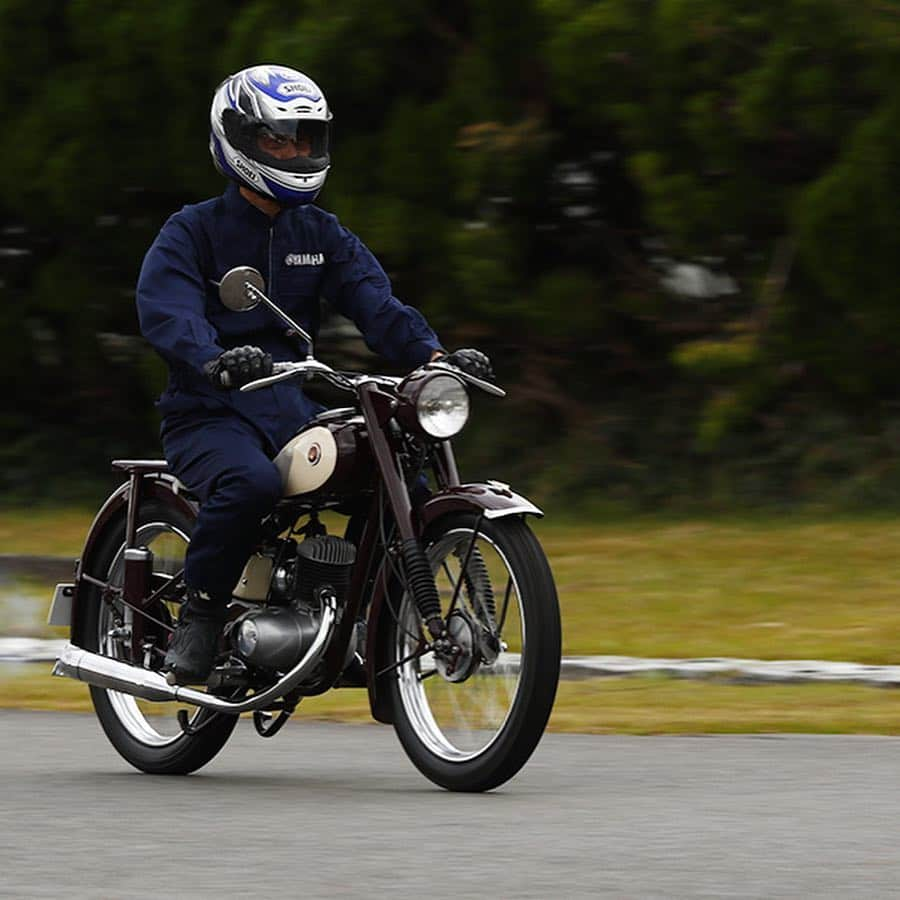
640 705
44 532
763 587
766 588
770 589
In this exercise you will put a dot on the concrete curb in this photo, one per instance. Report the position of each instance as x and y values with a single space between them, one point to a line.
23 650
745 670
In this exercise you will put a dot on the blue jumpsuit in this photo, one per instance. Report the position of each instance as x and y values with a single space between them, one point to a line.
221 443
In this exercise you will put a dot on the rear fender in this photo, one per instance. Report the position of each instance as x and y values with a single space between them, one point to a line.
112 516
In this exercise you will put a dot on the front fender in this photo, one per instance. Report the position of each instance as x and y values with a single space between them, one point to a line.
493 498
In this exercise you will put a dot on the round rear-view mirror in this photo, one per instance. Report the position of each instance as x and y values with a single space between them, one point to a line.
233 288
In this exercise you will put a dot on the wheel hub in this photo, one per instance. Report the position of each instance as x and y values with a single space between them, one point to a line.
457 658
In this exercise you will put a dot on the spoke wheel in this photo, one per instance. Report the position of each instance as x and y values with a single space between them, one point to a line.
148 735
470 717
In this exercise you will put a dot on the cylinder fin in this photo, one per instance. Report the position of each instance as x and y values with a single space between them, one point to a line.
323 560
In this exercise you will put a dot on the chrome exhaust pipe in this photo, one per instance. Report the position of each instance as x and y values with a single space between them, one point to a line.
115 675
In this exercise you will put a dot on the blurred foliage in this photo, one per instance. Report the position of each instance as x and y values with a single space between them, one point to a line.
672 223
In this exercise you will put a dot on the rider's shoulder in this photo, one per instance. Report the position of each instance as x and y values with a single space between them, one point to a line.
325 224
198 211
317 216
191 214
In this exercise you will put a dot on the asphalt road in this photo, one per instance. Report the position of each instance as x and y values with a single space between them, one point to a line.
338 811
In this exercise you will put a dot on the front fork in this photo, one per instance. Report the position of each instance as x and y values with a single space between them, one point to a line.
378 409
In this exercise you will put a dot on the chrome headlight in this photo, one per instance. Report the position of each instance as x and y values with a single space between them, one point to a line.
442 406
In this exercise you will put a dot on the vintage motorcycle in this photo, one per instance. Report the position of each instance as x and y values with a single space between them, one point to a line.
439 601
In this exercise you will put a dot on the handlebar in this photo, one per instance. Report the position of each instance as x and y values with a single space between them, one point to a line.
348 381
282 371
243 284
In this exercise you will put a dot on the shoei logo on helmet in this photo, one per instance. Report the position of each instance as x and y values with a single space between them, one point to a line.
297 88
243 168
282 84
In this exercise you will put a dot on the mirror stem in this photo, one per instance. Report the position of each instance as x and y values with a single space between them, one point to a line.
259 295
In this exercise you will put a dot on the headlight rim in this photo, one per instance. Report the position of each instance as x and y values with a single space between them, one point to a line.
411 391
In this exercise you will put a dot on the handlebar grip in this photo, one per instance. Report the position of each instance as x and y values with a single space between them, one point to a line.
225 375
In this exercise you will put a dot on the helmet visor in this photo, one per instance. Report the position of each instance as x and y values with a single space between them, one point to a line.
292 145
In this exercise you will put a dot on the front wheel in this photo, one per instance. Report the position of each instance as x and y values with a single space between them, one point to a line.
469 718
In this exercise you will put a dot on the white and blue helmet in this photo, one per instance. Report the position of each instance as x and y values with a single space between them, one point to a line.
283 102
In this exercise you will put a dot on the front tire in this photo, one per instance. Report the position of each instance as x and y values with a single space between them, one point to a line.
472 724
147 735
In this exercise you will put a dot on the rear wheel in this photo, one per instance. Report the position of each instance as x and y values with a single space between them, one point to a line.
471 718
148 735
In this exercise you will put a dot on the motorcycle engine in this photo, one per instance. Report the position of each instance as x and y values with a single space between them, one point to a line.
277 636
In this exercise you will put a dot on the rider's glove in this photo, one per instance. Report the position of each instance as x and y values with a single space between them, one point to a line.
472 362
238 367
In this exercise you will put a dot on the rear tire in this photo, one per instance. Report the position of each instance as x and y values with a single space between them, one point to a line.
150 743
472 730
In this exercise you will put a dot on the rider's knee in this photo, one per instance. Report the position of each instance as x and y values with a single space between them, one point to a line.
256 487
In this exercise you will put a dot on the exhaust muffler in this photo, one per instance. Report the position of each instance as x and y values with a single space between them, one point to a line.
113 674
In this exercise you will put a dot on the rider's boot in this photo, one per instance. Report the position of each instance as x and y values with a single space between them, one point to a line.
192 649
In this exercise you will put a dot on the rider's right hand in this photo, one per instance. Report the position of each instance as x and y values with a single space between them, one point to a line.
238 366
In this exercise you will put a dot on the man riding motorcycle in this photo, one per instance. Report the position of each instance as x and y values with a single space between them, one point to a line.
269 136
